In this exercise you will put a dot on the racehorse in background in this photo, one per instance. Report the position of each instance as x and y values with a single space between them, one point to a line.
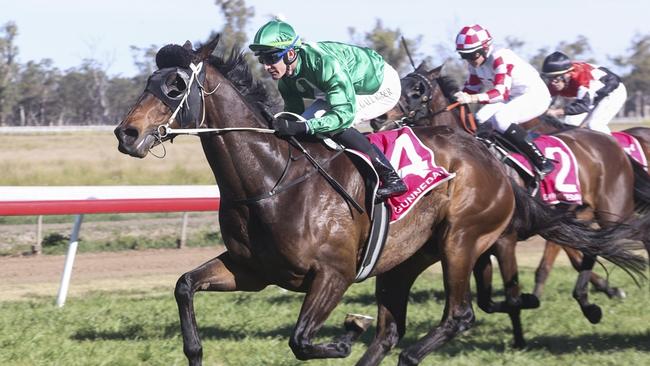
548 125
607 178
283 224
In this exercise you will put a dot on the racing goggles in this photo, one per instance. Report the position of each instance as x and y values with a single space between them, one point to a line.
273 57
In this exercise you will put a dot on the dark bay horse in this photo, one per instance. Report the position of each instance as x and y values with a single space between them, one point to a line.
548 126
606 176
283 224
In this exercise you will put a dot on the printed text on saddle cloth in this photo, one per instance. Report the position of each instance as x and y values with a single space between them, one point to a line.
414 162
562 184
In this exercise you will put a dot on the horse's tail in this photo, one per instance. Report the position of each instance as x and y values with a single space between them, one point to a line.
534 217
641 187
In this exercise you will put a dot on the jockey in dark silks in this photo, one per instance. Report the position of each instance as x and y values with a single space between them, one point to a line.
347 83
594 94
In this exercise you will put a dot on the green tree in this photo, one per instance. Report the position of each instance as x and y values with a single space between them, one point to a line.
236 16
8 71
580 49
637 62
388 43
37 87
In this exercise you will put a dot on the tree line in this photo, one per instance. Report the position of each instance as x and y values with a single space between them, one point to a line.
36 93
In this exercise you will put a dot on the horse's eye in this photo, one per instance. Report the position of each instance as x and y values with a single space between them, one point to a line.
421 88
175 86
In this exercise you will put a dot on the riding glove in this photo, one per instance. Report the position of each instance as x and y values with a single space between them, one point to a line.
284 127
465 98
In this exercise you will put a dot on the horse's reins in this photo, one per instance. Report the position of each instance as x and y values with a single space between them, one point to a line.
466 117
166 130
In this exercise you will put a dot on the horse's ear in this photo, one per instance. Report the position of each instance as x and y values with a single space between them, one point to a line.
206 50
188 46
422 67
435 73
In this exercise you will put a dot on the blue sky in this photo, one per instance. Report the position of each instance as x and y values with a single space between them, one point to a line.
67 31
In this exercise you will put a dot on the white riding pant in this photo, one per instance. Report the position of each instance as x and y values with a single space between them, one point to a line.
600 116
367 106
518 109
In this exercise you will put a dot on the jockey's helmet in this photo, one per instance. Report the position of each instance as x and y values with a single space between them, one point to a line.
473 38
275 36
557 63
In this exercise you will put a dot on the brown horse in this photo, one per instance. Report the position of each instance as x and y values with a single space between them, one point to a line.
283 224
547 126
606 177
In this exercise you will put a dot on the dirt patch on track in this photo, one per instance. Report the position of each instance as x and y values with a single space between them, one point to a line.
24 277
29 276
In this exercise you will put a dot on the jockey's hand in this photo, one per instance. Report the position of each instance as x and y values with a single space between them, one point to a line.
555 112
466 98
284 127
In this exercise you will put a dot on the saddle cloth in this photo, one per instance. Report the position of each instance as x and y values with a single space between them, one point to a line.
562 184
415 164
632 147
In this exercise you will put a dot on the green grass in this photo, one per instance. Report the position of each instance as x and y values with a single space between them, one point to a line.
141 328
93 159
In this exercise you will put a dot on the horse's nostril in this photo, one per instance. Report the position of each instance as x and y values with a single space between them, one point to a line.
131 133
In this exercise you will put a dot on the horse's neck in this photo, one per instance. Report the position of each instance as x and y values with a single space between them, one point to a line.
244 163
449 119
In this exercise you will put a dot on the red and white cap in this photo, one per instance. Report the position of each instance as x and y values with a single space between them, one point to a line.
472 38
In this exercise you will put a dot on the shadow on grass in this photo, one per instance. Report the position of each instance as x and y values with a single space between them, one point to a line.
557 345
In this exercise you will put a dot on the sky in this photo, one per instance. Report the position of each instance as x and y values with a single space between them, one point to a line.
68 31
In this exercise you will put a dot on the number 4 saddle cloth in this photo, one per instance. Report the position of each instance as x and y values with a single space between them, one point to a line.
415 164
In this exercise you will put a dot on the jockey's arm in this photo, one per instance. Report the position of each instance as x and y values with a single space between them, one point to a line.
340 95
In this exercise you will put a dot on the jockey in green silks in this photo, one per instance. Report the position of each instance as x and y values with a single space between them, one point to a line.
348 84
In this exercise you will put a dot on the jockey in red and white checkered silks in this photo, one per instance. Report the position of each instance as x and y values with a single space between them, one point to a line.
509 88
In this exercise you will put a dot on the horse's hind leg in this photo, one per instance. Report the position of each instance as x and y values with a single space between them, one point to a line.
504 251
391 290
551 250
592 312
600 284
218 274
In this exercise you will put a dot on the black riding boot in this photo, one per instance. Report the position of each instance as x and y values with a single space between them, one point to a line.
391 183
518 137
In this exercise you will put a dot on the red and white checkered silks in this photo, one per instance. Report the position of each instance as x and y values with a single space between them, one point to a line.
495 73
472 37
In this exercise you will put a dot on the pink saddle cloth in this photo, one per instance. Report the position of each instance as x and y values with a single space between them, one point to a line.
562 184
632 147
415 164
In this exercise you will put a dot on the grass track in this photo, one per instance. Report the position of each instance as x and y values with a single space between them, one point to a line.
140 327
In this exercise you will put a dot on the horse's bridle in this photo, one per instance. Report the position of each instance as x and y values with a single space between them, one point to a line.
420 107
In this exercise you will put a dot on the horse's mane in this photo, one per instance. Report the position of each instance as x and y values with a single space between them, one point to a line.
448 85
232 65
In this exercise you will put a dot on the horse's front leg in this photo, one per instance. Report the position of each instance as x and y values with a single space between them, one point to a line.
392 290
218 274
326 290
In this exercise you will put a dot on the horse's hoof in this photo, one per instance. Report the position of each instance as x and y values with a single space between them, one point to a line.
593 313
357 323
529 301
519 344
616 293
